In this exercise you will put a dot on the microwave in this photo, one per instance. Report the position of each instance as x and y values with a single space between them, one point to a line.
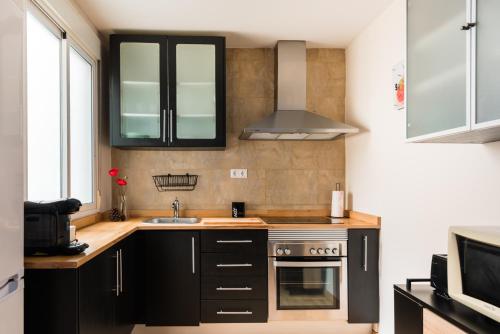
474 268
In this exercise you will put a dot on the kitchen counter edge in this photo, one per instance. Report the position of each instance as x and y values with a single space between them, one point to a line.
103 235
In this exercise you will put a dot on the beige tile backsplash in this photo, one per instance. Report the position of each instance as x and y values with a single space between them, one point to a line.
281 175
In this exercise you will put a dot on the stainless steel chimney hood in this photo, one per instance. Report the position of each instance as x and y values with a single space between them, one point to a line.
291 121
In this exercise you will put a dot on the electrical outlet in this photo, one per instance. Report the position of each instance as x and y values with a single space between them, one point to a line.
238 173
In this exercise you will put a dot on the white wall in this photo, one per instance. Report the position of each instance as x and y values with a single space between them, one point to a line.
418 189
74 21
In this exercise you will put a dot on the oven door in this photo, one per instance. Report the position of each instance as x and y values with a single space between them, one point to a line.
307 289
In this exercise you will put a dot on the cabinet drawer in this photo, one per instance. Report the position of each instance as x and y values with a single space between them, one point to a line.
233 311
241 241
231 287
214 264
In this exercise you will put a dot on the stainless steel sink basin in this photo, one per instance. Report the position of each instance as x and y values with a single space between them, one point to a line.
172 220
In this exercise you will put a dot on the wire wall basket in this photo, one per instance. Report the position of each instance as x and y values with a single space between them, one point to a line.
169 182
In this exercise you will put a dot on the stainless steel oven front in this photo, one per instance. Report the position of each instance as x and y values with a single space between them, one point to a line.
307 274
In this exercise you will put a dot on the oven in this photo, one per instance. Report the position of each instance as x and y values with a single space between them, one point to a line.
307 275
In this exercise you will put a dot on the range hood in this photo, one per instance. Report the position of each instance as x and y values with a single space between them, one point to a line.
291 121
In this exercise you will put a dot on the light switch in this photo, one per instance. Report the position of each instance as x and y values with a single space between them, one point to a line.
238 173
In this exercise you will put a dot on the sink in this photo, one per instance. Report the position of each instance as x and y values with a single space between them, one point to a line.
172 220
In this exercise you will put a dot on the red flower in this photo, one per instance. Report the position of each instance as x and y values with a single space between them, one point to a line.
113 172
121 182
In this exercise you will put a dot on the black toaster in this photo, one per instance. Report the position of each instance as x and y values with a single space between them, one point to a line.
46 226
439 274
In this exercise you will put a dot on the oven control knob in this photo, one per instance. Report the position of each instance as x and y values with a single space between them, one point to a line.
313 251
328 251
321 251
279 251
287 251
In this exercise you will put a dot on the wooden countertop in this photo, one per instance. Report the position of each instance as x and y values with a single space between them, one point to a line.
101 236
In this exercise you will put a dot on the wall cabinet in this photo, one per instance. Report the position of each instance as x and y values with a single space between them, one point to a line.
96 298
363 273
167 91
452 87
172 278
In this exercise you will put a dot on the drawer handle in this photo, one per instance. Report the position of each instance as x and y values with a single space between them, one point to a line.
234 241
234 312
220 288
234 265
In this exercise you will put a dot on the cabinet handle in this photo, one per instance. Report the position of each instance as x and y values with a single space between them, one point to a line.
468 26
170 125
164 123
220 288
192 255
234 241
117 269
234 312
365 259
233 265
121 271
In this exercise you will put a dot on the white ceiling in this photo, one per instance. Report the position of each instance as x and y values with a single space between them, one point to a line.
245 23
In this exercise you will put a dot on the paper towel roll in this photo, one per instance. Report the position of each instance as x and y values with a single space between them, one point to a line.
338 203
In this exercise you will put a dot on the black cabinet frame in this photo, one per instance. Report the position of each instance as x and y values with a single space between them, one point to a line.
168 104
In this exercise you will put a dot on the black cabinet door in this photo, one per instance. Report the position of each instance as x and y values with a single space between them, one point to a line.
125 301
97 293
48 294
408 315
197 92
363 275
172 278
138 91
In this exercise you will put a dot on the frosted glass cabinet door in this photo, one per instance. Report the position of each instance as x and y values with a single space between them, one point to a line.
138 83
195 91
436 66
487 61
196 86
140 90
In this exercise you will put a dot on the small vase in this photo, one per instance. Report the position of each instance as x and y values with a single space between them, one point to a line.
123 207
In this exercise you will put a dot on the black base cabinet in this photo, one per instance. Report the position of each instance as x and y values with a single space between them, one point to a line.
408 315
234 276
156 278
172 278
363 273
87 300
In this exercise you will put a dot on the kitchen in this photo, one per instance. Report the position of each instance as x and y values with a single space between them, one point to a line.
243 132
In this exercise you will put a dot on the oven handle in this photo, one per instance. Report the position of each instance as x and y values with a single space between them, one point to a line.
310 264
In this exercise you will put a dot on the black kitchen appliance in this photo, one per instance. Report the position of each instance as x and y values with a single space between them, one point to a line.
439 274
46 227
238 209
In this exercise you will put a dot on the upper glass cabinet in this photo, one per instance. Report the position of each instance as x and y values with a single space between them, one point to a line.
197 91
452 63
436 66
167 91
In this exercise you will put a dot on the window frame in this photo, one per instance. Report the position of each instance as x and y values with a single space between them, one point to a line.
68 41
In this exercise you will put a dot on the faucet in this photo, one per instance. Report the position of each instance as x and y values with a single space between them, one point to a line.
176 205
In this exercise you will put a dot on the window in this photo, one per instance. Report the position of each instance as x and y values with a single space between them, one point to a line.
80 124
61 140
